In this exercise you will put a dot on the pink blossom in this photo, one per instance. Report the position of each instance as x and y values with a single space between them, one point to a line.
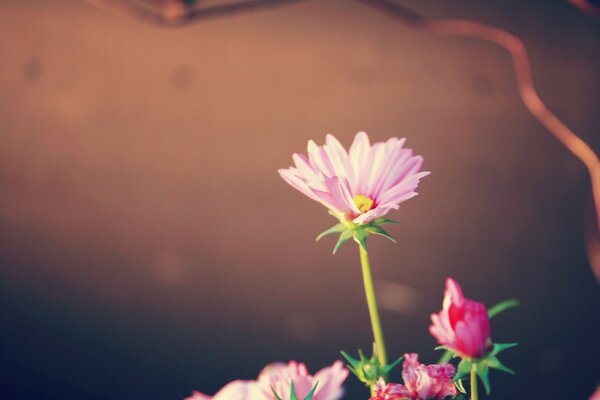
360 185
421 382
462 325
596 394
279 376
236 390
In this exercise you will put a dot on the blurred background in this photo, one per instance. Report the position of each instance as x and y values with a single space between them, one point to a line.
148 246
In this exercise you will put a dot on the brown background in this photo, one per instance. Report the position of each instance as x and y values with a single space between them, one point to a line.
148 246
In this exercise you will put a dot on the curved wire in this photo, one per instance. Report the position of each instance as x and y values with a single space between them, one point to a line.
176 13
518 52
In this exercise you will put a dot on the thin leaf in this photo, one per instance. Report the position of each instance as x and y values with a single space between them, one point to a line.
360 237
353 370
500 347
344 236
386 369
312 392
483 372
275 393
383 221
293 392
351 360
459 385
502 306
362 356
376 230
447 356
493 362
463 369
337 228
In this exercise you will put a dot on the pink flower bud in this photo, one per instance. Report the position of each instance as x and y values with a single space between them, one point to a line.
462 325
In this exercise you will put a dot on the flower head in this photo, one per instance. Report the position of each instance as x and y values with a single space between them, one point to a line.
361 185
278 377
421 382
463 325
236 390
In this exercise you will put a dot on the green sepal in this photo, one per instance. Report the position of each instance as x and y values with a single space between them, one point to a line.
376 230
383 221
312 392
502 306
369 370
500 347
389 367
337 228
463 369
275 393
360 237
360 233
353 364
493 362
364 368
459 385
344 236
293 395
480 365
447 356
483 372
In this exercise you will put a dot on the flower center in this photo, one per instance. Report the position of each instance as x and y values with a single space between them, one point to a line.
363 203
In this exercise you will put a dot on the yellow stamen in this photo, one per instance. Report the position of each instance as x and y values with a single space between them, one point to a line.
363 203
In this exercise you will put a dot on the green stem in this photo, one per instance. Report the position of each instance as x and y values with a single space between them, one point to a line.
473 382
372 304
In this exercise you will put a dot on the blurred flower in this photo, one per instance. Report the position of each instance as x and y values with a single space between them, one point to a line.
279 377
596 394
236 390
463 325
421 382
360 185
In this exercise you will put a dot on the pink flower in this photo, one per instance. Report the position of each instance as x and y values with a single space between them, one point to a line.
421 382
360 185
462 325
236 390
279 376
596 394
